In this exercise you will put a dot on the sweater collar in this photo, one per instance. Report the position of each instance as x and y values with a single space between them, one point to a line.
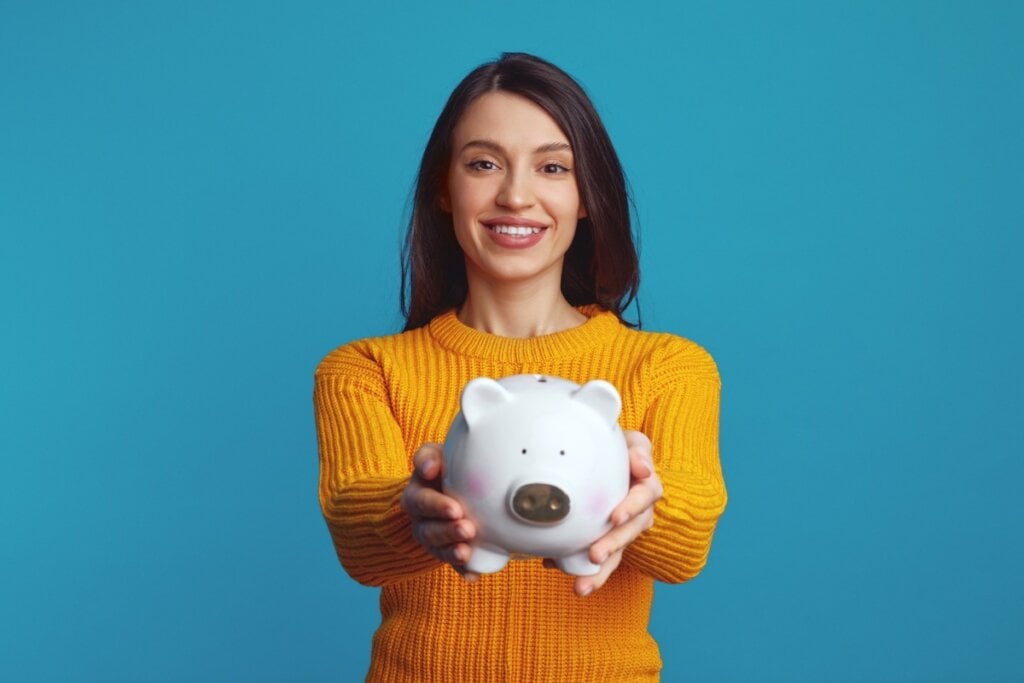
456 336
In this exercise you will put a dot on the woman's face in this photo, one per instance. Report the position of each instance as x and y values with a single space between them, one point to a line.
512 190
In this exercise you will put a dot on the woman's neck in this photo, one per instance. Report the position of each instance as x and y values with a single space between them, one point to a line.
518 310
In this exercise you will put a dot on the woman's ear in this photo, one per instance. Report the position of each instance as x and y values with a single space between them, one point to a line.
583 213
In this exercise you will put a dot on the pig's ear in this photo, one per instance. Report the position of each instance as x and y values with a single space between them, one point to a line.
602 398
481 396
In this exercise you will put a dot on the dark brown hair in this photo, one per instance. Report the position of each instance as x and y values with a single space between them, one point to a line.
601 266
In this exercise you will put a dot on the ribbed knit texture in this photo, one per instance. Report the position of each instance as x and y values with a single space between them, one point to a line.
377 400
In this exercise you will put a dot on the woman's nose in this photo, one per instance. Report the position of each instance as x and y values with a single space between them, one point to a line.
516 191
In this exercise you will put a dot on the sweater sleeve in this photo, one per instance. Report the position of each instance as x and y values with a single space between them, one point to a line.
682 423
364 467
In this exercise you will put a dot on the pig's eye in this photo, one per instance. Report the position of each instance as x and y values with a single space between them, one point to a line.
524 451
561 452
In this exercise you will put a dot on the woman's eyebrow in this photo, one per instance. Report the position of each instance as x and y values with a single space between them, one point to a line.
495 147
486 144
554 147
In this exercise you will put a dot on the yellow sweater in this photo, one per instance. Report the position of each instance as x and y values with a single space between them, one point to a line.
377 400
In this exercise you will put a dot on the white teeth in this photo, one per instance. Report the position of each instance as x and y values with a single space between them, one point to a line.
516 230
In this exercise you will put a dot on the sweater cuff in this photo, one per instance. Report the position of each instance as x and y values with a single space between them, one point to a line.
372 534
676 548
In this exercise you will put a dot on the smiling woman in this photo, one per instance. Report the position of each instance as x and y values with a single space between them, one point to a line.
600 266
519 260
514 205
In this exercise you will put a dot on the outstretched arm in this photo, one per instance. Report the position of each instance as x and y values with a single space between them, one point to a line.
385 511
632 517
682 423
665 524
365 468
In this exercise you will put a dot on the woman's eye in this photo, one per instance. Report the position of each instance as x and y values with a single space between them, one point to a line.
482 165
554 168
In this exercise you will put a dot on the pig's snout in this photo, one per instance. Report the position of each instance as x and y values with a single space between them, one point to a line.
540 503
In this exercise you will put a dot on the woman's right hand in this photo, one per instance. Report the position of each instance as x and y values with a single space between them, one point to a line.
439 523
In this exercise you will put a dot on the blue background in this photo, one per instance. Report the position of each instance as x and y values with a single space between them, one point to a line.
199 200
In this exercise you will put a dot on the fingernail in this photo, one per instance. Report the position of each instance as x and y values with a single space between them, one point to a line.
587 591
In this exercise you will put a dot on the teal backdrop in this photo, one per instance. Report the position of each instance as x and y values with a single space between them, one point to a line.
199 200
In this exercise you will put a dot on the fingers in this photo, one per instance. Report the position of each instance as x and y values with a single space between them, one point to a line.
641 496
633 516
422 496
439 534
466 574
446 538
640 466
621 536
447 541
641 462
637 439
585 585
455 555
428 461
427 503
437 521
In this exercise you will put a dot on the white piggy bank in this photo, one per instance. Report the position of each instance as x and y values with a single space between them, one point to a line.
538 463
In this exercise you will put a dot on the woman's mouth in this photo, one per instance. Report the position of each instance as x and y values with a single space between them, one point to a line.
516 235
514 230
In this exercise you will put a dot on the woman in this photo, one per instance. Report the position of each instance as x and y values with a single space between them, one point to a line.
519 259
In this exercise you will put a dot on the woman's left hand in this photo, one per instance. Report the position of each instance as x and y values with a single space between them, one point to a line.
630 518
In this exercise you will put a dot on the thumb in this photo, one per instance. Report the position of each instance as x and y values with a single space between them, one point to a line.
429 461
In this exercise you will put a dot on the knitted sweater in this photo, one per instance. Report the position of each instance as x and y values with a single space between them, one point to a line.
377 400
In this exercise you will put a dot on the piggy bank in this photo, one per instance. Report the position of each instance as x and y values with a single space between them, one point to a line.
538 463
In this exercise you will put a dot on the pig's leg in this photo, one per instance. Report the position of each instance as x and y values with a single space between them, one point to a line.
578 564
487 559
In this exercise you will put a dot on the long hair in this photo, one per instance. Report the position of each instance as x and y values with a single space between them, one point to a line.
601 265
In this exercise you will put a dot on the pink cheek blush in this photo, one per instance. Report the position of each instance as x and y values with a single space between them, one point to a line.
477 485
598 503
